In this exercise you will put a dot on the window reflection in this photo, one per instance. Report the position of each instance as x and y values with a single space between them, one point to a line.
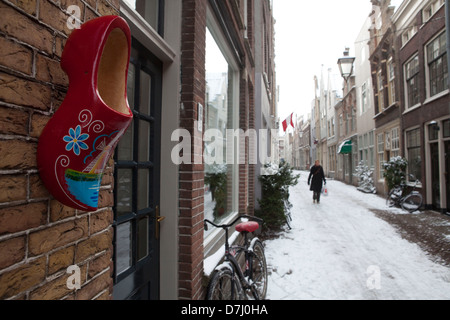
218 197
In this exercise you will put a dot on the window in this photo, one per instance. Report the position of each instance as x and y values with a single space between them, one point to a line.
413 153
395 142
364 98
380 150
353 119
380 91
433 132
391 82
220 198
429 11
437 65
408 34
412 81
446 125
151 10
371 150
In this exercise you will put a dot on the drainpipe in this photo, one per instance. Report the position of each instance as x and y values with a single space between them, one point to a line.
447 22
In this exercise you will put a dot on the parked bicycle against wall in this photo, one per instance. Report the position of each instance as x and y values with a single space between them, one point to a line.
229 280
410 202
287 213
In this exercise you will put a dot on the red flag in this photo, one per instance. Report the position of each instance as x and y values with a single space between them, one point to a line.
289 121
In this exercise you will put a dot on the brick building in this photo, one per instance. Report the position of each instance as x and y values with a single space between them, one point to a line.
425 100
192 62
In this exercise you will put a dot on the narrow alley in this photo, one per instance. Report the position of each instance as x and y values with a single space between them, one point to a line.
342 249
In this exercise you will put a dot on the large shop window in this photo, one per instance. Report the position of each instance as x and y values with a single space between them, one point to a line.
220 197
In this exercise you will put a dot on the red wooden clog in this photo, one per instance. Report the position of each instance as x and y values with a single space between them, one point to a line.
80 137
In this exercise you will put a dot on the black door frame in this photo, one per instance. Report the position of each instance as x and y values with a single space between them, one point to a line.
141 281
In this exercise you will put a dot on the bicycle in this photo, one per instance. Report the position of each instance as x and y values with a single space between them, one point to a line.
229 281
410 202
287 213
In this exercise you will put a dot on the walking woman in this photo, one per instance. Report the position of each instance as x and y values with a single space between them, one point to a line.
318 176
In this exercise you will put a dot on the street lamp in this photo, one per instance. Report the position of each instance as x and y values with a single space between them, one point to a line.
346 65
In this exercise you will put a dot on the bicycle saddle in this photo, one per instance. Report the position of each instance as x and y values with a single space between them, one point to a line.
249 226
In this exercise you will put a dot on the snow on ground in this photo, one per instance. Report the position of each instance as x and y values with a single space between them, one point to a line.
340 250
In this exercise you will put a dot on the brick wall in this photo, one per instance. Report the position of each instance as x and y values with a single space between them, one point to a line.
39 237
192 175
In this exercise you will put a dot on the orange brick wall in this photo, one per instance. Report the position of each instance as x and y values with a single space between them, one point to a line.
39 237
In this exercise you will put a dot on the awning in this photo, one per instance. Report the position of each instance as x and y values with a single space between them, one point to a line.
345 147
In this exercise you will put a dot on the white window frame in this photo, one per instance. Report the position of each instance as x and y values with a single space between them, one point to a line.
380 152
405 71
391 81
380 86
409 34
395 142
429 11
427 71
214 237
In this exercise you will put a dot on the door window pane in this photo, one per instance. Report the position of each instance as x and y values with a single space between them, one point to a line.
123 247
142 244
125 146
130 85
144 141
143 189
124 192
145 93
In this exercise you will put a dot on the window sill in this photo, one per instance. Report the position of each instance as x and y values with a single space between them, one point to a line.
414 107
437 96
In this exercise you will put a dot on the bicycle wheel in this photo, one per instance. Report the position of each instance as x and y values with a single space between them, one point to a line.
288 220
259 270
393 195
224 286
412 202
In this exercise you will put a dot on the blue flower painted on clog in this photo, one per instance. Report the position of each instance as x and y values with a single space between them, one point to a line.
75 140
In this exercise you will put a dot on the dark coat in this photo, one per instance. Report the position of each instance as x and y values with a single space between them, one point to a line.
318 176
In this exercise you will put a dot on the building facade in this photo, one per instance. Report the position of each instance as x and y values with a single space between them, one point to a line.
192 68
385 80
425 98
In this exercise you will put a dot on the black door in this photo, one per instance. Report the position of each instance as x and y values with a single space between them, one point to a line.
137 165
435 176
447 173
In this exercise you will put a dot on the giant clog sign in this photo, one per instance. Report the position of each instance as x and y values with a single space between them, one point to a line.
77 142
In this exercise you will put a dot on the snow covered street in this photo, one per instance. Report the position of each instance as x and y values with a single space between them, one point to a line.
339 250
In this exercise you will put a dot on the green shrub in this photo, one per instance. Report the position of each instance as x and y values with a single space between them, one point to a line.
395 171
275 194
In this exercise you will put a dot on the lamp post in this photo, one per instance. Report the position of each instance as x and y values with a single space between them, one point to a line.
346 68
346 65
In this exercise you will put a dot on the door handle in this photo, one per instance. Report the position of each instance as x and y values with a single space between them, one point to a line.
158 220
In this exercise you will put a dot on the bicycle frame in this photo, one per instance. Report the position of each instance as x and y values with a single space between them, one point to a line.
402 197
232 261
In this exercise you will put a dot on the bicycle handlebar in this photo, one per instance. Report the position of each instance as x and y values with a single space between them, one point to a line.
226 226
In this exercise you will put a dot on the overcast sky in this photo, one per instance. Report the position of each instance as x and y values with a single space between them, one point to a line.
309 34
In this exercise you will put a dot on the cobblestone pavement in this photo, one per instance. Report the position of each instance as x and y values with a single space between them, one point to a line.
428 229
